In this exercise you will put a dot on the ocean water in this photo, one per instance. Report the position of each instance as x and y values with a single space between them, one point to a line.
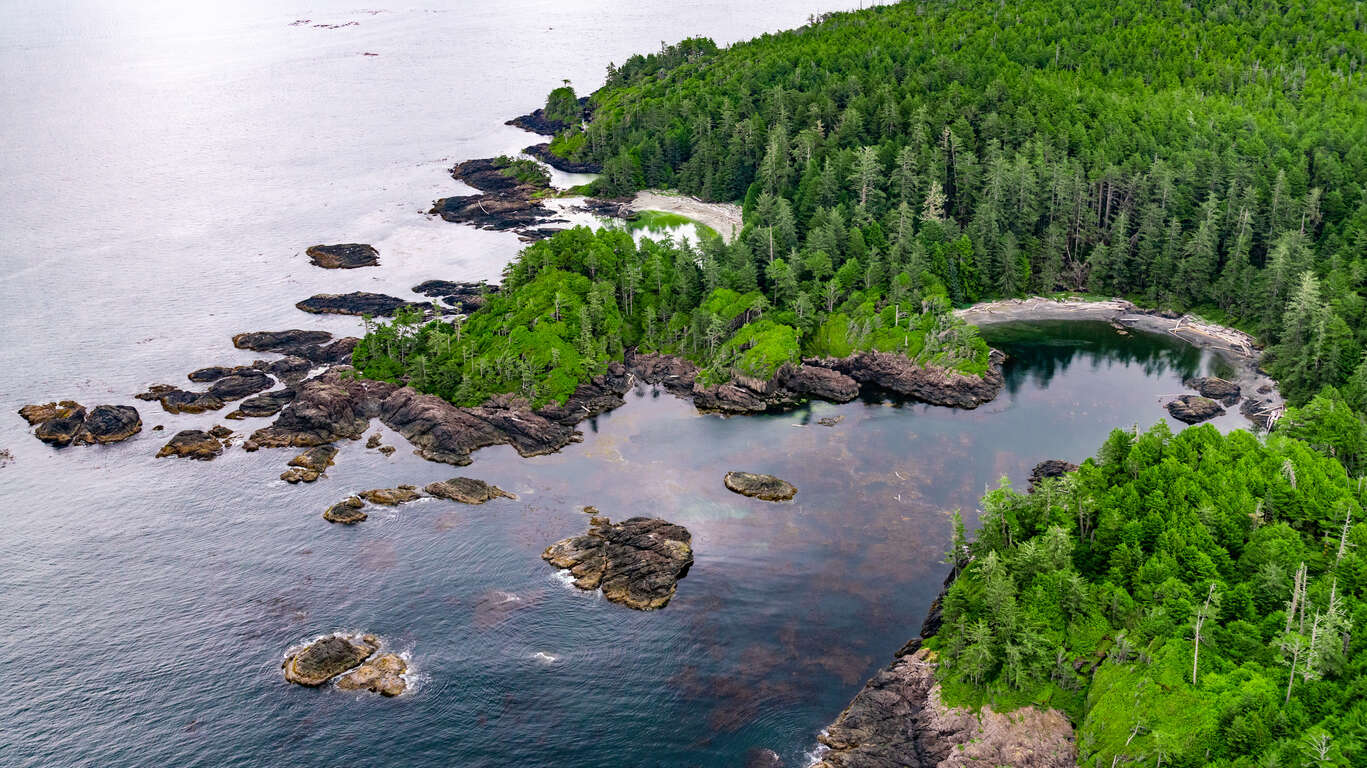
165 165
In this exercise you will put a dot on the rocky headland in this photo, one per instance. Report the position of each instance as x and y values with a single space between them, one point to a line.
637 562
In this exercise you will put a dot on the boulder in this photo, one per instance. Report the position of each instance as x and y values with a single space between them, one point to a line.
347 512
899 719
763 487
391 497
343 256
240 385
192 444
382 674
1193 409
1215 388
819 383
267 404
358 303
637 562
1047 469
327 657
69 423
467 490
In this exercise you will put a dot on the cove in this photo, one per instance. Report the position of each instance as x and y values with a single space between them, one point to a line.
177 617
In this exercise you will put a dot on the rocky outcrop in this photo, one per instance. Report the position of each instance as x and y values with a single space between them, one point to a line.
348 511
176 400
344 256
325 409
926 383
898 720
328 657
444 432
675 374
763 487
192 444
598 395
215 372
1193 409
359 303
537 122
382 674
819 383
543 153
637 562
69 423
310 465
1048 469
391 497
506 202
467 297
240 385
267 404
1215 388
467 490
291 342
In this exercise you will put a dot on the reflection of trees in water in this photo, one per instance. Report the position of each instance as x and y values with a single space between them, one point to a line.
1041 351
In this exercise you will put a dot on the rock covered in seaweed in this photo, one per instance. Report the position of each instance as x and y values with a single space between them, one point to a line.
69 423
637 562
328 657
344 256
763 487
467 490
192 444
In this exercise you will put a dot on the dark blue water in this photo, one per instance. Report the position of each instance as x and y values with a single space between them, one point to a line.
147 603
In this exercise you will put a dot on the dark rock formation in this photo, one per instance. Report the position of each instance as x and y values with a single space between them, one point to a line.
221 432
443 432
675 374
819 383
267 404
764 487
1214 388
467 490
310 465
637 562
291 368
347 511
391 497
598 395
830 421
486 175
192 444
69 423
382 674
215 372
1193 409
344 256
899 721
927 383
291 342
543 153
240 385
1049 468
491 212
537 122
327 657
177 400
330 407
358 303
387 450
466 296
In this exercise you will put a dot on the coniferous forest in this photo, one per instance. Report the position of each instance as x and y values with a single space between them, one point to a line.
1187 599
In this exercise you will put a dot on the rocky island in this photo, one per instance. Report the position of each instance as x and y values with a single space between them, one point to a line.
637 562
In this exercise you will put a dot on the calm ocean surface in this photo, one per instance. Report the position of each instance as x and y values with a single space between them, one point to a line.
164 166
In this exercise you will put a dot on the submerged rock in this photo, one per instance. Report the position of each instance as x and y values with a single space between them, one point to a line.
327 657
1193 409
344 256
358 303
764 487
192 444
382 674
347 511
637 562
467 490
391 497
1049 468
830 421
69 423
898 719
1215 388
